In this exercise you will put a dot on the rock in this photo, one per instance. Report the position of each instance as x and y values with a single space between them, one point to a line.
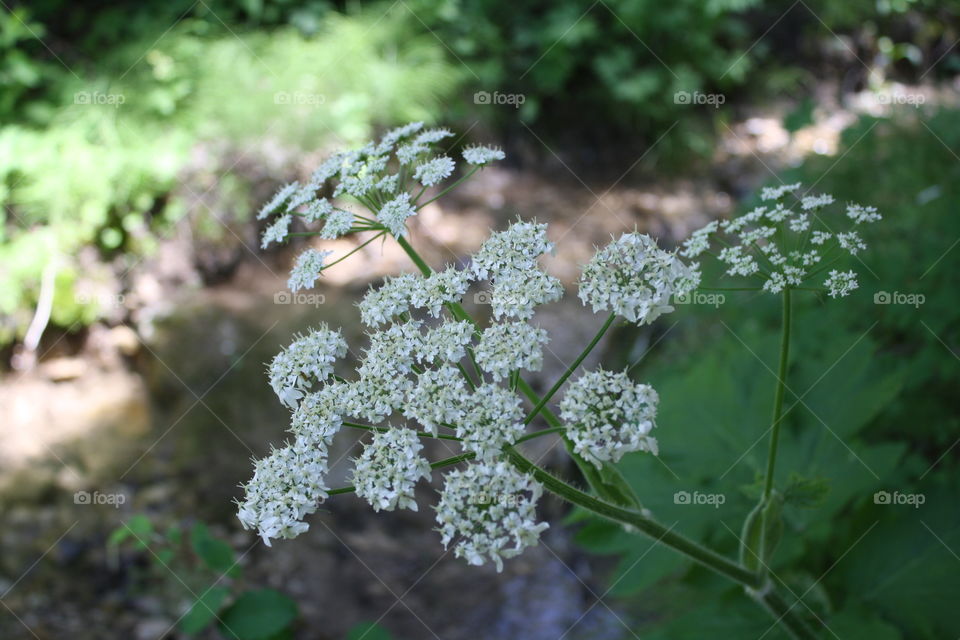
62 369
124 339
153 629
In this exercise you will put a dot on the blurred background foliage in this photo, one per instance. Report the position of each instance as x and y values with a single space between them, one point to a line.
73 173
870 409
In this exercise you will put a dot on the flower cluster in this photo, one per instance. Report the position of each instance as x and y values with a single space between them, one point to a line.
430 371
381 176
634 278
389 467
608 415
788 241
491 510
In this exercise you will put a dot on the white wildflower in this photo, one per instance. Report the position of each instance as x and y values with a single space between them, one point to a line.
860 214
308 359
490 510
388 469
409 153
779 213
800 224
494 419
480 155
392 352
440 288
775 193
393 215
278 200
318 210
395 135
434 171
852 242
816 202
432 136
516 248
699 240
775 283
740 263
608 415
393 298
338 224
634 278
276 232
286 486
318 416
307 269
841 283
516 292
303 195
446 342
509 346
819 237
438 397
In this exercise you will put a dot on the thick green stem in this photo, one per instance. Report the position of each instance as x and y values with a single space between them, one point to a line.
778 395
784 614
652 528
450 188
573 367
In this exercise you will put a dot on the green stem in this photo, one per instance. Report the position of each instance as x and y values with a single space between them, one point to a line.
778 395
453 186
353 251
652 528
784 614
573 367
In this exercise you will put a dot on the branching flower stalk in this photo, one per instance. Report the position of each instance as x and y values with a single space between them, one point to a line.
432 371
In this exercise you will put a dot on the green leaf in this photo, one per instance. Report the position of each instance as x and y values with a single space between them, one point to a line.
258 615
807 493
905 568
368 631
216 554
139 527
204 610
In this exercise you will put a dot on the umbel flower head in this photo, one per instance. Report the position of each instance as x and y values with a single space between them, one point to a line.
381 177
608 415
490 509
789 241
428 370
634 278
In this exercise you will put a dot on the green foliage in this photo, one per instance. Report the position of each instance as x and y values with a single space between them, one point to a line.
258 615
94 158
368 631
208 568
869 408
